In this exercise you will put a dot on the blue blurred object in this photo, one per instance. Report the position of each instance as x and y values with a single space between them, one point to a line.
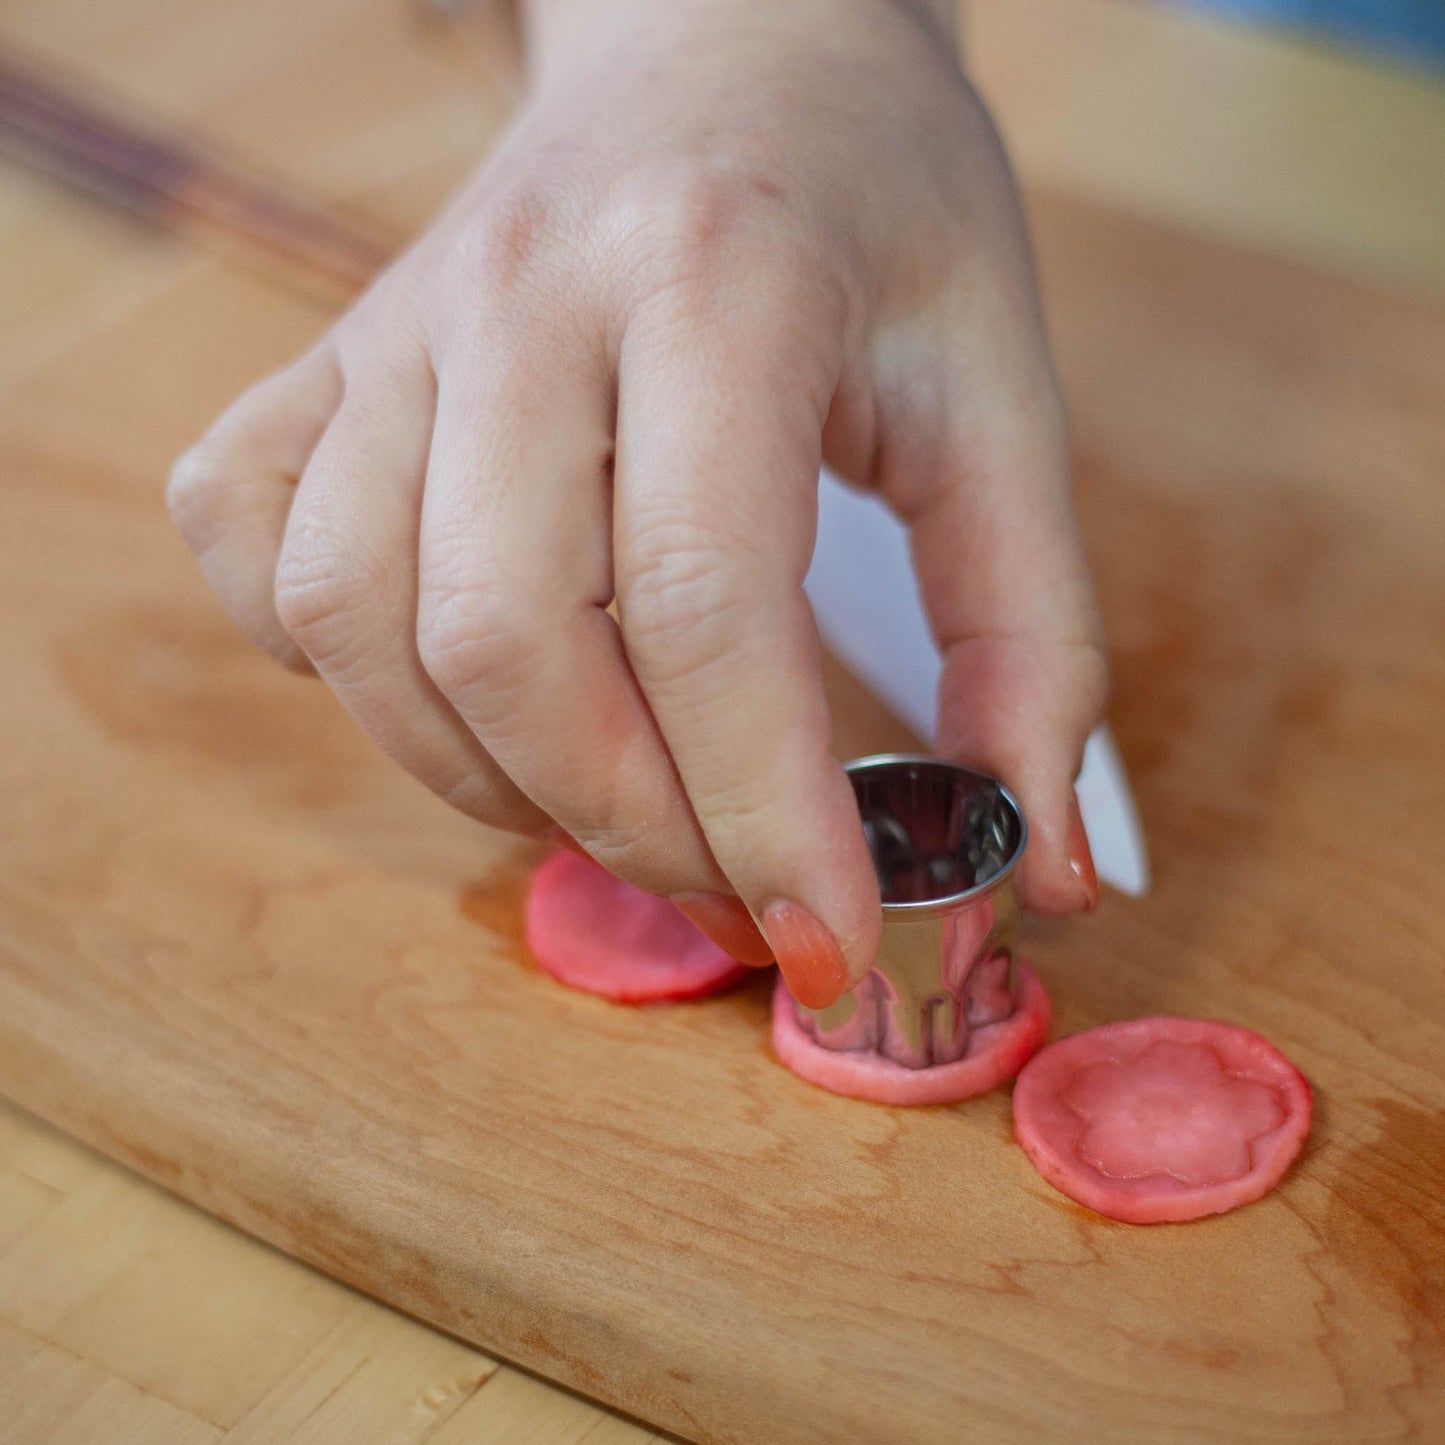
1409 30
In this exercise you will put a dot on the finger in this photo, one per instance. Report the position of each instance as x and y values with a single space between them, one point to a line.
720 419
1007 589
516 576
346 589
230 494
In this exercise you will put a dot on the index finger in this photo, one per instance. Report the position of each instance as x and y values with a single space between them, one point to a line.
1006 587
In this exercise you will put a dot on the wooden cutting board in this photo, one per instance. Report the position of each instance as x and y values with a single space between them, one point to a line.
243 955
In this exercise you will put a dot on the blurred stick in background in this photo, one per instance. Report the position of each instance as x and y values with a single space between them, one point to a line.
178 185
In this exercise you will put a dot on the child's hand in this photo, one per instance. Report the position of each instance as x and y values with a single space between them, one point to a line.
723 242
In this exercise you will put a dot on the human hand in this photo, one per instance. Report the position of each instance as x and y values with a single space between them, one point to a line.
721 243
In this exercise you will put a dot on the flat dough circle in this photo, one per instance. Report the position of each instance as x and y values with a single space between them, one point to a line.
593 932
1162 1119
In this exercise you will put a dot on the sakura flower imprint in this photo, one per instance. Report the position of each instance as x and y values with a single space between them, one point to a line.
593 932
1162 1118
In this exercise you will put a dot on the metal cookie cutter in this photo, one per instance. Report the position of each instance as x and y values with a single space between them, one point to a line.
945 843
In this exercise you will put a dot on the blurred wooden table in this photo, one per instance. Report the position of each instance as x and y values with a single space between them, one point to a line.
126 1315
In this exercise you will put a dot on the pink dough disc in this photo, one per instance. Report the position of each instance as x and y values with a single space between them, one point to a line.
596 933
996 1052
1162 1119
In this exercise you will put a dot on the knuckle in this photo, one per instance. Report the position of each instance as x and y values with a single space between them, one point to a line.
681 595
481 796
381 339
699 226
711 208
507 240
739 810
195 482
646 847
474 640
619 844
326 598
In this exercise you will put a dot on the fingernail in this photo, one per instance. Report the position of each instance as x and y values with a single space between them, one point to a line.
561 838
1081 858
807 953
728 923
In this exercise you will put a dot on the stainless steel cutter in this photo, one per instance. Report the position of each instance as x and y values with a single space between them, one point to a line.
945 842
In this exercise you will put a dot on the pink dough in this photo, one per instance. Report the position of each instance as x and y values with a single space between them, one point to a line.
1162 1119
996 1052
596 933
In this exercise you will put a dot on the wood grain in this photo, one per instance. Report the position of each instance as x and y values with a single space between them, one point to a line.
241 954
128 1316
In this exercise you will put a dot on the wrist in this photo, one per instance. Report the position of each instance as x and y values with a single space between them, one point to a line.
555 30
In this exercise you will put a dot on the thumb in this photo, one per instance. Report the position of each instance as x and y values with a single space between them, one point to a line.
1007 591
